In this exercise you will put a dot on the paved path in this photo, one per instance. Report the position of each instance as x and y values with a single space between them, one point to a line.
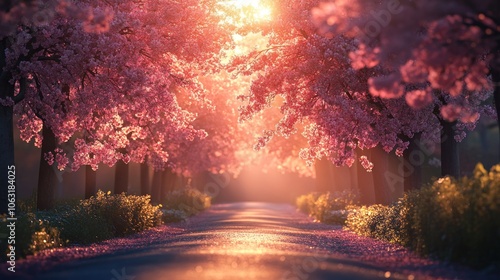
240 241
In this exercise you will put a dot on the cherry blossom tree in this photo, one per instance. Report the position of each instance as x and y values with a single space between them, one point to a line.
445 51
13 14
103 80
324 97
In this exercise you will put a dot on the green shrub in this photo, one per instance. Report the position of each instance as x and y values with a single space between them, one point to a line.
126 213
337 217
173 216
305 203
28 205
189 200
327 207
104 216
45 237
80 221
361 220
32 235
84 225
455 220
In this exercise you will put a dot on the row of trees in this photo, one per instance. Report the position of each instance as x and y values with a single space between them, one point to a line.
111 82
355 75
104 78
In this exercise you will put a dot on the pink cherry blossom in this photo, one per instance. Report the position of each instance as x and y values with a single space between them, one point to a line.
419 99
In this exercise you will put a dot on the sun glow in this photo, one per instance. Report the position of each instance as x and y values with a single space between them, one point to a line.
250 10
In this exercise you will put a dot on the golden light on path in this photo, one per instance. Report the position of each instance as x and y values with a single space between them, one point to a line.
249 243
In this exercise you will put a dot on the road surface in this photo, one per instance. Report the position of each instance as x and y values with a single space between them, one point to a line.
239 241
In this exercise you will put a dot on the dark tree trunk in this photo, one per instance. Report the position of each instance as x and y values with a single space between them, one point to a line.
121 177
47 178
144 179
199 181
168 180
323 180
167 183
412 166
365 181
485 145
6 153
184 182
380 161
450 164
181 182
90 181
156 186
6 131
495 73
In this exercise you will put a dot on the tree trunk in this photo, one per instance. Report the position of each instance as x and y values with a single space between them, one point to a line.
324 178
495 73
90 182
450 164
484 141
365 181
412 166
174 179
6 132
198 181
353 178
167 183
380 160
144 179
6 153
186 181
156 186
121 177
47 178
163 184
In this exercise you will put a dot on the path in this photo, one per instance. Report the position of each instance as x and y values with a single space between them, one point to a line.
240 241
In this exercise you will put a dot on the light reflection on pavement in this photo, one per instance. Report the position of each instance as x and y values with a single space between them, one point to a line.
251 241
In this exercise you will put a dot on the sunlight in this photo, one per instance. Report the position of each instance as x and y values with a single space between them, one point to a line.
250 10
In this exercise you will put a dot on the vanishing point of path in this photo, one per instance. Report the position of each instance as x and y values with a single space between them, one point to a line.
239 241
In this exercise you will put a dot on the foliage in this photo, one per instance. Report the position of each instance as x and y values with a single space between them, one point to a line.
337 217
27 205
456 220
189 200
327 207
84 225
68 64
44 236
125 213
100 217
305 202
104 216
321 95
444 63
32 235
173 216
